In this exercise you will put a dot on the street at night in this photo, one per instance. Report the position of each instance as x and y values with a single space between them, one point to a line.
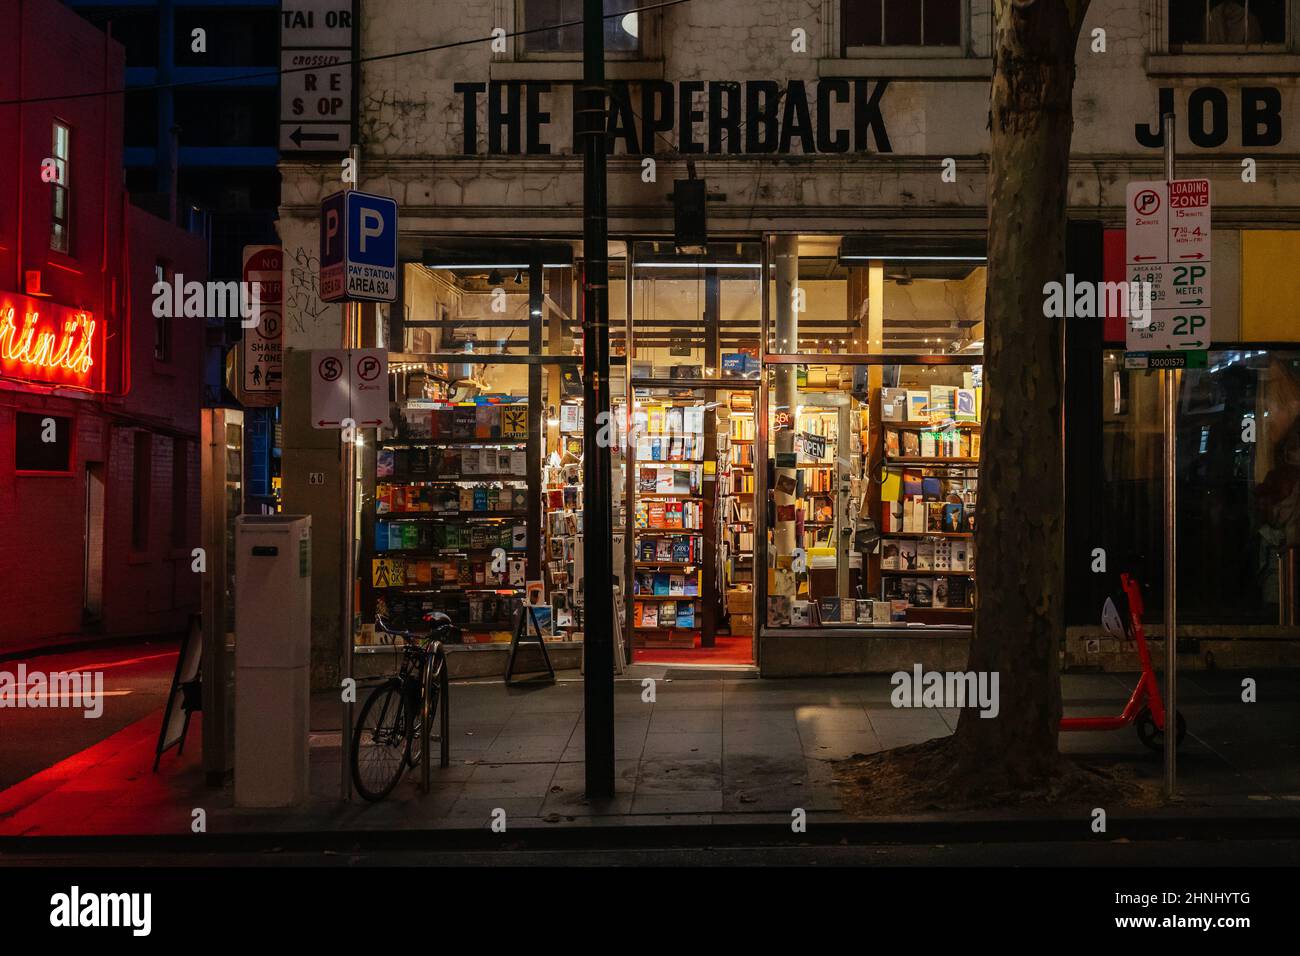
666 435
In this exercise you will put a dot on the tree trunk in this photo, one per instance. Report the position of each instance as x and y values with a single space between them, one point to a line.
1019 537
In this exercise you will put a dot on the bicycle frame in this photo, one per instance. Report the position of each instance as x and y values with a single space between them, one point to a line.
1147 690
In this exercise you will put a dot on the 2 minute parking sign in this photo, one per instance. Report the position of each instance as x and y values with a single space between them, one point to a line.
358 248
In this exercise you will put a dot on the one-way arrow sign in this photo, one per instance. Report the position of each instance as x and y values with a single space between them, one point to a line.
315 137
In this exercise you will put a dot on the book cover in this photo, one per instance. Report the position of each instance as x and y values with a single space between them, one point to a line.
923 592
907 556
384 462
964 410
800 615
676 585
943 401
661 585
880 612
897 611
942 555
685 614
925 555
911 444
778 611
864 610
828 610
892 444
957 558
893 404
954 518
939 596
931 489
928 448
889 558
934 516
918 406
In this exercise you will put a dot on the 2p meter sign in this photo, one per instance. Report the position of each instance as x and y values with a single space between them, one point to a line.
358 248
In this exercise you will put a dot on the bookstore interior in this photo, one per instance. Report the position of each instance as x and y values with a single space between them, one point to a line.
795 442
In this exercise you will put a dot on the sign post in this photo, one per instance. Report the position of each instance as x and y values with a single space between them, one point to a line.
1168 238
358 262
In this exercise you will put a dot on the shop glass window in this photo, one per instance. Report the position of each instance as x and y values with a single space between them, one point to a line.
42 443
141 489
622 27
693 316
1233 23
918 23
833 295
1238 500
478 505
872 494
60 194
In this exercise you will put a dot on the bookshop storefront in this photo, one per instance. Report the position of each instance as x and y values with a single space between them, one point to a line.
795 449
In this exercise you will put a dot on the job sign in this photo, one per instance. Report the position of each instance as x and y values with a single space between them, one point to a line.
358 248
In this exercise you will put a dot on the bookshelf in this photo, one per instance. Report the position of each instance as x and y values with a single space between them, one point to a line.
931 448
450 516
669 522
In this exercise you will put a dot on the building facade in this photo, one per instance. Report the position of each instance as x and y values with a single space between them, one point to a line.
99 399
767 375
200 149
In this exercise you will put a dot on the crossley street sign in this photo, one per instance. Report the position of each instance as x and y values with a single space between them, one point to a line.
1167 244
316 79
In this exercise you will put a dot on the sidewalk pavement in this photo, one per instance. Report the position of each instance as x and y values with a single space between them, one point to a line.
706 751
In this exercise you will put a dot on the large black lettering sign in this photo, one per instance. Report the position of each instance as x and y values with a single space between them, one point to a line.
718 117
1207 119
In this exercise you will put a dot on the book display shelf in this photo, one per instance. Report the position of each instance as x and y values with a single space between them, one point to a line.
450 516
668 521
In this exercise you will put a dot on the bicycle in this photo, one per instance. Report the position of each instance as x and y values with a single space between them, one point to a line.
388 737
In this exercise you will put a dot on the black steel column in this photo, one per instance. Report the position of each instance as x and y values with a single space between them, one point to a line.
598 493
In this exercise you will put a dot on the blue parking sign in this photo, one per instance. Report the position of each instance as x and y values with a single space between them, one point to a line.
358 246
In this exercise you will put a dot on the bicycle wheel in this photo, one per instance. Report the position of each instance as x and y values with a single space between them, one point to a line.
380 742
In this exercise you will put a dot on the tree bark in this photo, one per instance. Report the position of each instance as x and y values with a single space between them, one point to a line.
1019 537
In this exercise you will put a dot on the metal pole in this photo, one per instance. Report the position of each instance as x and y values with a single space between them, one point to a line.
598 528
1171 530
348 467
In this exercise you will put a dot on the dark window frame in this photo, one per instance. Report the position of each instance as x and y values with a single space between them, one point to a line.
1203 44
648 23
71 425
921 48
162 324
61 186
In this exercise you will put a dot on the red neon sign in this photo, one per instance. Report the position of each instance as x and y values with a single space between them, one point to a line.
46 342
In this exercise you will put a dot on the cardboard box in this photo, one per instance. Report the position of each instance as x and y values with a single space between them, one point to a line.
742 625
740 601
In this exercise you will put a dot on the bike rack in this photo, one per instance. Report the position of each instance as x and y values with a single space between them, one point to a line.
444 723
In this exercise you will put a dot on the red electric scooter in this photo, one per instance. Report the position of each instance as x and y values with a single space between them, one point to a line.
1145 709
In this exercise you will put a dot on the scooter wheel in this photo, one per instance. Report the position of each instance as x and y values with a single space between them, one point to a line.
1154 737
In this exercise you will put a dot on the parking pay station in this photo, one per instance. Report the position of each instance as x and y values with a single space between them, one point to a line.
272 659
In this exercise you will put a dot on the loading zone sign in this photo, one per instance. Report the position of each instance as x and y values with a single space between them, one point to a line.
1167 244
358 248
